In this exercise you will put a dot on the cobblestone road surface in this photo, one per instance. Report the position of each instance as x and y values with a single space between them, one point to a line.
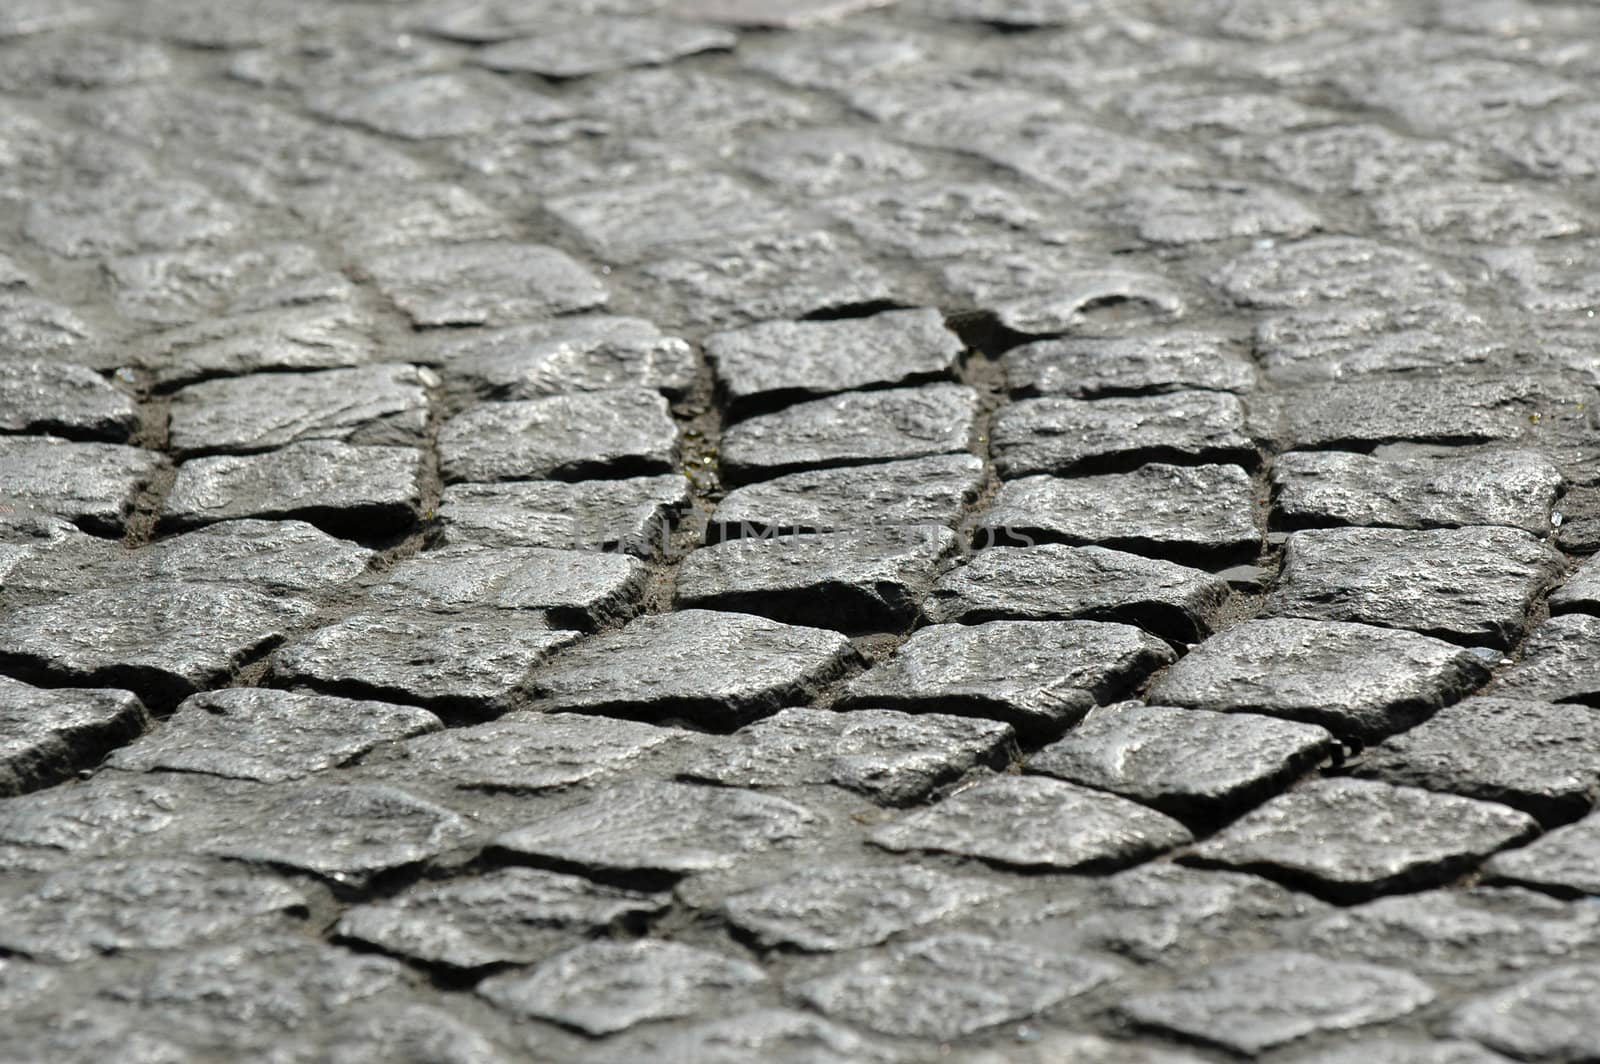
816 531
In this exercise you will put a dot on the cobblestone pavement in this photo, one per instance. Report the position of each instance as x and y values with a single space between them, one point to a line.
816 531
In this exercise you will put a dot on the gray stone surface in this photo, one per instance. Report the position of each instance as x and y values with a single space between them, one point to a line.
1353 679
63 400
918 492
1559 662
94 485
1038 676
51 733
1354 839
437 105
1058 435
1095 368
1331 269
298 338
776 1034
1189 763
484 283
622 432
1361 413
1544 1016
597 45
633 514
1038 823
1580 593
1562 861
1327 343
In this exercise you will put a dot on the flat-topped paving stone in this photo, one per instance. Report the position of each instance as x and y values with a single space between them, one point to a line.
718 668
432 105
634 514
600 44
277 340
1192 764
1038 676
627 222
1052 582
167 288
422 212
94 485
1479 212
268 736
918 492
1037 823
1580 593
851 429
601 988
1259 1001
768 14
666 828
1352 839
780 1035
381 404
573 589
484 283
1058 1045
1513 488
1559 662
367 491
1365 412
623 432
1061 435
775 363
1543 1016
1327 343
1533 756
1353 679
931 220
1561 862
498 917
62 399
1468 585
1100 367
127 214
164 641
1186 513
52 733
894 758
1332 269
447 662
857 580
585 353
1198 211
1403 1050
949 985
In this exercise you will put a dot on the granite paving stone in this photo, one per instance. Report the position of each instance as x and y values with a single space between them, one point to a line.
1561 861
1042 296
828 160
298 338
1332 269
1558 662
1544 1016
167 288
628 223
937 220
484 283
94 485
126 215
1331 342
1580 593
781 1035
51 733
1353 679
445 104
1363 413
1353 839
634 514
1100 367
598 45
406 215
1059 435
1041 677
61 399
918 492
623 432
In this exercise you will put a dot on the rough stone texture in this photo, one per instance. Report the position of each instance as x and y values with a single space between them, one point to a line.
918 492
1095 368
851 430
1581 591
484 283
1329 270
1364 412
1189 763
624 432
1560 662
51 733
64 400
1186 513
633 514
1353 679
629 222
1054 435
597 45
1327 343
1257 1002
94 485
780 362
1562 861
1512 488
722 668
437 105
1542 1017
1033 822
1039 676
1353 839
895 758
867 580
1056 583
314 337
776 1034
1469 585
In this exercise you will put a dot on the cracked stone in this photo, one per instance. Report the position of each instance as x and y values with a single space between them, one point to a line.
719 668
1533 756
780 362
866 580
1470 585
1317 344
1259 1001
1038 823
366 490
445 104
895 758
659 827
1560 662
628 223
382 404
621 432
51 733
94 485
164 641
1057 583
1058 435
269 736
448 663
1546 1016
918 492
1563 861
1188 763
169 288
1184 512
1038 296
634 515
119 906
1095 367
484 283
574 589
1038 676
851 429
604 987
600 45
1354 839
1353 679
950 985
1332 269
1511 488
503 916
38 397
320 336
128 215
